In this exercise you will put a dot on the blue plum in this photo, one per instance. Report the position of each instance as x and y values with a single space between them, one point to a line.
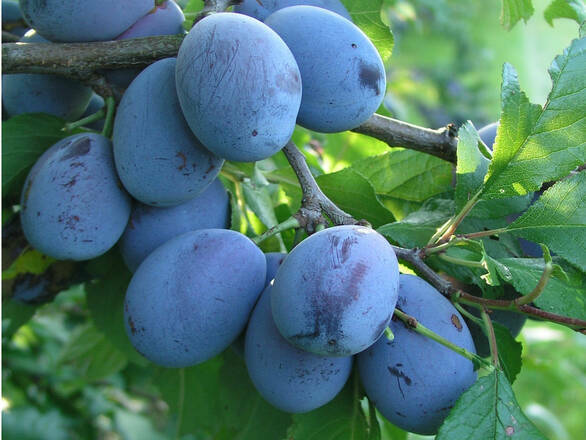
274 260
291 379
159 160
414 381
239 87
260 11
192 296
336 291
342 73
35 93
150 227
72 203
10 11
83 20
166 19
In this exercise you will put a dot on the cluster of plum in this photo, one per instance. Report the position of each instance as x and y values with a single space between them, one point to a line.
235 91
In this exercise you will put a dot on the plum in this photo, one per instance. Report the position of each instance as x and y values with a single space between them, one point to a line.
260 11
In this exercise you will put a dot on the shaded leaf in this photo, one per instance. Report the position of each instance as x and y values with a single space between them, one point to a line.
30 261
472 165
514 10
29 424
572 9
488 411
355 195
558 219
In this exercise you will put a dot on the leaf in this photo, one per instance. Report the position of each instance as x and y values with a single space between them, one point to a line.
572 9
509 351
259 201
192 395
366 14
488 411
105 300
355 195
133 426
472 165
242 406
14 315
92 354
567 298
30 261
29 424
417 228
535 145
558 219
24 139
340 419
514 10
406 174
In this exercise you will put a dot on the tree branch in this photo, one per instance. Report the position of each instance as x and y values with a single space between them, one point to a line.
440 143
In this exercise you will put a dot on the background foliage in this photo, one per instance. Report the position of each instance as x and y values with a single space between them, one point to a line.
68 369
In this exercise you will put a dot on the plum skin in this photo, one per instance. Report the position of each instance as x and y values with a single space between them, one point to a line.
239 87
191 298
336 291
72 203
254 9
150 227
414 381
291 379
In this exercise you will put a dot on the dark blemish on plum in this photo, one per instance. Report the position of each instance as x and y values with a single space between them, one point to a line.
181 156
346 246
80 148
254 132
445 408
354 46
400 375
195 247
398 365
38 213
370 77
71 183
400 414
76 164
131 324
289 82
456 322
332 342
87 241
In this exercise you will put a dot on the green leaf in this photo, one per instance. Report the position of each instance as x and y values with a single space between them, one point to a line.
30 261
92 354
242 406
340 419
14 315
29 424
515 10
565 297
24 139
192 395
535 145
355 195
558 219
417 228
472 165
133 426
488 411
509 351
572 9
366 14
406 174
105 300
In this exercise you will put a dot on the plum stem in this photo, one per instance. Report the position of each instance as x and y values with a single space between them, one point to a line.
494 355
109 122
532 296
445 232
412 323
100 114
290 223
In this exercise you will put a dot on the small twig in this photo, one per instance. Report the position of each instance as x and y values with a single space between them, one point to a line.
314 201
441 143
413 324
100 114
449 228
214 6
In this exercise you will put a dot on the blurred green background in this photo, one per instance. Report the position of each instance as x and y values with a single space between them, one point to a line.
445 67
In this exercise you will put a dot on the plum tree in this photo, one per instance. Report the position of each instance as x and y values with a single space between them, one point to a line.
72 203
162 163
150 227
83 20
274 260
232 61
35 93
260 11
342 73
291 379
414 381
212 278
165 19
336 291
